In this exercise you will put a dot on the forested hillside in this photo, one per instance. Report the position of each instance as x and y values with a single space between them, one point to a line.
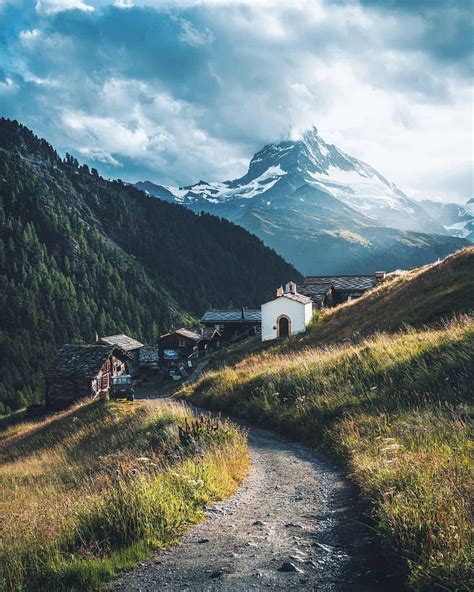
81 255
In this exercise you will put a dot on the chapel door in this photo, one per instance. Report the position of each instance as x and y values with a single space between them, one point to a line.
283 327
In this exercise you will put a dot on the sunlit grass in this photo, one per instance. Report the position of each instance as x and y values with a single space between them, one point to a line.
88 492
395 409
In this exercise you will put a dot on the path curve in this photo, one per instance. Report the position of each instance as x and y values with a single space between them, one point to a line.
295 508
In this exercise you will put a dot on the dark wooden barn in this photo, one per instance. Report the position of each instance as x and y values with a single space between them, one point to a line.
81 371
178 345
233 323
211 339
128 344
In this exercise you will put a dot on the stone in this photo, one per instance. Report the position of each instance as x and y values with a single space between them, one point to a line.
289 567
326 548
217 574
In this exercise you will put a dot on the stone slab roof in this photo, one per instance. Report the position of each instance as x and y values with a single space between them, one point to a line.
244 315
316 286
82 360
301 298
183 332
121 340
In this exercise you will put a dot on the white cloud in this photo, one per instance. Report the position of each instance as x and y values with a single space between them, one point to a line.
100 156
193 36
186 94
28 38
106 133
49 7
7 86
124 4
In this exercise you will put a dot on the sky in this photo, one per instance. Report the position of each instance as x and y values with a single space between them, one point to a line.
178 91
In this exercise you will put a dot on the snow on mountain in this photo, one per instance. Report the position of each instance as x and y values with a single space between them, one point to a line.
323 210
457 220
279 169
464 228
226 191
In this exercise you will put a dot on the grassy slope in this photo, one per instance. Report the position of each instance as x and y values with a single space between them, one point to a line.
419 297
393 407
88 492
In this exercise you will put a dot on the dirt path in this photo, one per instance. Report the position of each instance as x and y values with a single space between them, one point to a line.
294 512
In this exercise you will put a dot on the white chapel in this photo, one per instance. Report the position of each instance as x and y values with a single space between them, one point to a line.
288 314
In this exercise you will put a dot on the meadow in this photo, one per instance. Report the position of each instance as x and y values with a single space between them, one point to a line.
394 409
90 492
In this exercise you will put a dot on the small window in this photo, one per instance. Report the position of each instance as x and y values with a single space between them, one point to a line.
182 343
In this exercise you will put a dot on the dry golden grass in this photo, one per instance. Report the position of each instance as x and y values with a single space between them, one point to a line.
86 493
395 408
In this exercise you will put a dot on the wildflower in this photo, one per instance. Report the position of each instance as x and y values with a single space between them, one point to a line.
134 472
118 474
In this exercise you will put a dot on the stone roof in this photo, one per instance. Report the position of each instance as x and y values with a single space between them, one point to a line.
301 298
241 315
317 286
82 360
209 332
121 340
183 332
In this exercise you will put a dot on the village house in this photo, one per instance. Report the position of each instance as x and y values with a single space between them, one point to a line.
331 290
128 344
81 371
178 345
288 314
211 339
233 323
186 344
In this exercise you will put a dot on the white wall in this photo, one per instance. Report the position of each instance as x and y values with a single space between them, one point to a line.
300 315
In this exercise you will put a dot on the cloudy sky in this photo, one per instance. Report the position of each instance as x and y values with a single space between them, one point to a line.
177 91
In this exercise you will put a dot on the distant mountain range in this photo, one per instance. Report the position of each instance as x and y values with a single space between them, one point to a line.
456 219
323 210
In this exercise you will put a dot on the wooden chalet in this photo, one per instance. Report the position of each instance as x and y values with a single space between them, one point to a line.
128 344
81 371
211 339
331 290
178 345
233 323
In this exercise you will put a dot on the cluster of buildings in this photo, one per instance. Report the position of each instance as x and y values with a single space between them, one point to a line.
91 370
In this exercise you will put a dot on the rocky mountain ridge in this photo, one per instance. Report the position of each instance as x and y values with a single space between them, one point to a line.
306 198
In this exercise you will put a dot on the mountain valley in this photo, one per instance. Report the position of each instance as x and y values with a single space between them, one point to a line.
307 198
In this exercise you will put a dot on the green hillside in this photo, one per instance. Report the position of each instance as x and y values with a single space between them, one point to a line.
394 407
81 255
90 492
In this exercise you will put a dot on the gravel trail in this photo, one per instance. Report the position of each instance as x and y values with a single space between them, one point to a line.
291 526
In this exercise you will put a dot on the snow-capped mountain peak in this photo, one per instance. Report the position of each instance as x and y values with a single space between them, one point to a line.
279 170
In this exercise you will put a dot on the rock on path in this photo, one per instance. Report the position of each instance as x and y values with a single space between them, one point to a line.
291 526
